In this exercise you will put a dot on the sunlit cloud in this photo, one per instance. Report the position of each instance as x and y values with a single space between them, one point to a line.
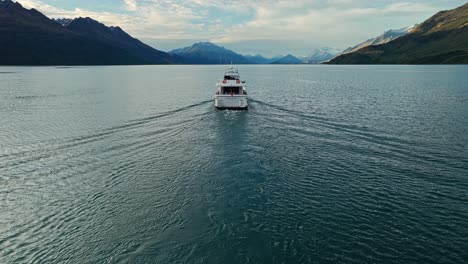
131 5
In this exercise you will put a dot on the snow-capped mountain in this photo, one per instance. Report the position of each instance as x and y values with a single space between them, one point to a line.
387 36
321 55
208 53
63 21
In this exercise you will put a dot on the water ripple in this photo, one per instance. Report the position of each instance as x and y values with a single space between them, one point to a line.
338 170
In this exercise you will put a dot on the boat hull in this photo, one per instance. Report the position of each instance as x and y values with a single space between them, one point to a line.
231 102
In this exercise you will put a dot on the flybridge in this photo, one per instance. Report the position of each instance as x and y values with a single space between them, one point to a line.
232 74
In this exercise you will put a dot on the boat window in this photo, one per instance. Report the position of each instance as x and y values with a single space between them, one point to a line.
230 90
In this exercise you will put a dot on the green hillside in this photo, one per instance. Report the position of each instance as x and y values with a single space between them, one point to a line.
441 39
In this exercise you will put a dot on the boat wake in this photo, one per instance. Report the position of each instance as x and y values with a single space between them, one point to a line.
351 137
151 125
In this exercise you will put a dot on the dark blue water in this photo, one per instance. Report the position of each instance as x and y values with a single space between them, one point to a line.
331 164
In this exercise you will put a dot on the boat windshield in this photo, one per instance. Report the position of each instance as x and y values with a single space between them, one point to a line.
231 77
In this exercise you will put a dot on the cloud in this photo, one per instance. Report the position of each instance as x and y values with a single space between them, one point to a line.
131 5
305 21
310 23
152 18
54 12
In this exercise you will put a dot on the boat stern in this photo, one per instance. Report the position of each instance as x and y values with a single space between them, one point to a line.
234 102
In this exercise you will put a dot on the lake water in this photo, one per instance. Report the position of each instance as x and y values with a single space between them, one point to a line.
330 164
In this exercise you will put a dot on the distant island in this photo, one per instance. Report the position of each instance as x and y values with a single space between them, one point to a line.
27 37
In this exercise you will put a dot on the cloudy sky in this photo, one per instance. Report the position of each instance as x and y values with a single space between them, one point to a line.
268 27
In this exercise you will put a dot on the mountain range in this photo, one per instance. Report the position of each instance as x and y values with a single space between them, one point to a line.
441 39
27 37
209 53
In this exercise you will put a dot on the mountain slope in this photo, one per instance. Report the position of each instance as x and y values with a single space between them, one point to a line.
441 39
117 37
208 53
27 37
386 37
288 59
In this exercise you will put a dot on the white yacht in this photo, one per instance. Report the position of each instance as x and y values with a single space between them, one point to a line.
230 91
